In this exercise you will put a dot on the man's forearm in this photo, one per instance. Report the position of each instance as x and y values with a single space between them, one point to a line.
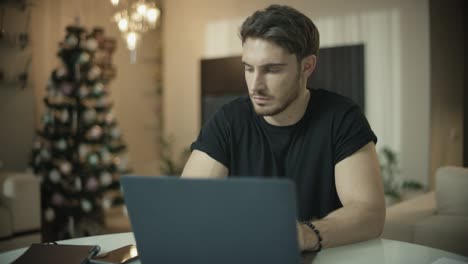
348 224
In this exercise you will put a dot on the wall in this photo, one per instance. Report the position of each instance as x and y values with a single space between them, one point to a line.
16 102
396 34
447 84
134 91
465 89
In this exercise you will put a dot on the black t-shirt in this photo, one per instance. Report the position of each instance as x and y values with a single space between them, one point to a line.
332 128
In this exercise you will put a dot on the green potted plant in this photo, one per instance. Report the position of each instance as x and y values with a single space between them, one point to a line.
169 165
394 187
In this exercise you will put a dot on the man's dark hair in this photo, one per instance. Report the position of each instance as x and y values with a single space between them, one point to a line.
284 26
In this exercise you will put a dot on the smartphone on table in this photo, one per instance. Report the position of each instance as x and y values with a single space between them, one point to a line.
121 255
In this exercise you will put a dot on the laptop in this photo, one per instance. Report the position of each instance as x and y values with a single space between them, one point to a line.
233 220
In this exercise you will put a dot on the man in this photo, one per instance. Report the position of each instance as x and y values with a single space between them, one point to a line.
319 139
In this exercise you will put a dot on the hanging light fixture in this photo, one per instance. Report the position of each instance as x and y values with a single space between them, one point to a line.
133 19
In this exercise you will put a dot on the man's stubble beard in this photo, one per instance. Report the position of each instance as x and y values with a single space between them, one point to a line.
280 108
277 109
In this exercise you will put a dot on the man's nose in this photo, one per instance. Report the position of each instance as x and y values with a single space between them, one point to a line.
258 82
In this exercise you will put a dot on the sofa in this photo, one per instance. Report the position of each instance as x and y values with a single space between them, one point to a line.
437 219
20 218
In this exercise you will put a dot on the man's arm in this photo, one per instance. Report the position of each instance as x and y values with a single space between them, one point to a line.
201 165
359 187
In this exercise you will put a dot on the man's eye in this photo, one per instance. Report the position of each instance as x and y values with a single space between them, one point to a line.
272 70
248 69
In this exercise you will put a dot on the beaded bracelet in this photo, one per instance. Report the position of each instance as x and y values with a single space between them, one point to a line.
317 233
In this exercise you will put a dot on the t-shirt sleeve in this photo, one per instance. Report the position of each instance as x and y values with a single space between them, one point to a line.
352 132
214 137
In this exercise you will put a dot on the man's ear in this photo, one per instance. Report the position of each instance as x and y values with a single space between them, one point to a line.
308 65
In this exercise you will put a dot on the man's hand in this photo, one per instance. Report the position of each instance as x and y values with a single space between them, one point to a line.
306 237
362 217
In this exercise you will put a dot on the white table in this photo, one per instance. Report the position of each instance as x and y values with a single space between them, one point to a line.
373 251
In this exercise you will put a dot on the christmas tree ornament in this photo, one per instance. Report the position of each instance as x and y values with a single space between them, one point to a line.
67 88
101 102
84 58
116 161
115 133
92 184
89 116
57 199
93 159
83 150
47 118
71 41
78 185
50 85
64 116
54 176
59 99
97 89
105 179
83 91
86 206
61 72
61 144
45 154
49 214
106 157
37 160
91 44
94 73
65 167
51 93
109 118
95 132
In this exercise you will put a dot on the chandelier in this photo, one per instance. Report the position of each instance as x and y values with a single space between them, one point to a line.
134 18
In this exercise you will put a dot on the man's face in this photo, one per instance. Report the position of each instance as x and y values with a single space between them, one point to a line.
272 75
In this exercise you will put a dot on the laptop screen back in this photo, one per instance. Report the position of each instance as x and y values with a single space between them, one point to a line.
211 220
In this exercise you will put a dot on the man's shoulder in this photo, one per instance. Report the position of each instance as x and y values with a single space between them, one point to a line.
328 101
234 115
331 97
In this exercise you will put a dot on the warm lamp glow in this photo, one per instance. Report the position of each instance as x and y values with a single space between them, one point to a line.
152 15
123 24
132 39
141 9
134 18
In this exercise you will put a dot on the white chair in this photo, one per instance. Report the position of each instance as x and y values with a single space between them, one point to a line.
20 210
437 219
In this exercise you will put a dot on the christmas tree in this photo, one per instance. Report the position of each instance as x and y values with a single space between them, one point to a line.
79 152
